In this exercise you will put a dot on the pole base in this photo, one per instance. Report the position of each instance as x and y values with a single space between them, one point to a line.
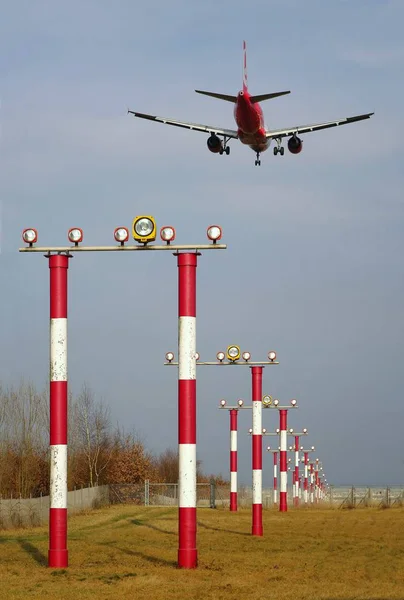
257 528
58 559
187 558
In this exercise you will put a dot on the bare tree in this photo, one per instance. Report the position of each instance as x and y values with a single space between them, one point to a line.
92 425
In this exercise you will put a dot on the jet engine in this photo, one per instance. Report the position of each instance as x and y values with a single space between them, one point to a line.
295 144
214 143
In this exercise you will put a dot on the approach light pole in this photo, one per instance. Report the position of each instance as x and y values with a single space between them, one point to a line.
233 410
283 418
306 452
275 490
296 472
144 233
233 356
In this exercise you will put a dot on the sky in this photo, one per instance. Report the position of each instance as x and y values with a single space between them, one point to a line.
314 262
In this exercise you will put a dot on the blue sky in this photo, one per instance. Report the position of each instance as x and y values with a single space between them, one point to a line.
314 263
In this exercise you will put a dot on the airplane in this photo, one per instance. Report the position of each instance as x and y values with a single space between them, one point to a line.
249 118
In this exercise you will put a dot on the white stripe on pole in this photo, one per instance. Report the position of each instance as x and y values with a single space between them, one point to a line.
186 348
187 491
58 349
233 481
284 481
257 486
58 476
233 440
257 418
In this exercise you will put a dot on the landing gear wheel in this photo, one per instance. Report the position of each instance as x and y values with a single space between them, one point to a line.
275 151
257 163
227 149
282 151
221 151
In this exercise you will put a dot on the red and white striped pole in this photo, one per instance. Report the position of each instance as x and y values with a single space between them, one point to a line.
283 496
306 465
57 553
257 528
187 551
233 459
311 483
296 494
275 478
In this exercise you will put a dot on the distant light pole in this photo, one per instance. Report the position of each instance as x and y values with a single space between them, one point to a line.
283 412
275 490
306 470
233 355
233 448
296 472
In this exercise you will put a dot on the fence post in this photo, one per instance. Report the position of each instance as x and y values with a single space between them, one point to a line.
146 492
212 493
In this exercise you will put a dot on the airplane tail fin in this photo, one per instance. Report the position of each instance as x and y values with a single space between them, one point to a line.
245 81
220 96
262 97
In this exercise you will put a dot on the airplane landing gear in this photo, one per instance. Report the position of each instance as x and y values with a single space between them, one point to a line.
279 148
257 161
226 148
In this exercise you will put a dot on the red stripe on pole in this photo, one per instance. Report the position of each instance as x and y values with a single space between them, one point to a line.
283 419
257 528
58 264
187 552
256 384
257 452
58 412
233 460
187 411
57 553
233 420
283 460
187 284
283 505
233 501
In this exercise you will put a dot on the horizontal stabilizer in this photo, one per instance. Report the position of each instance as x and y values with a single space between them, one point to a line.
262 97
220 96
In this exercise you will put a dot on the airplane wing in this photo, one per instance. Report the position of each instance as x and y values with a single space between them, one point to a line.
281 133
230 133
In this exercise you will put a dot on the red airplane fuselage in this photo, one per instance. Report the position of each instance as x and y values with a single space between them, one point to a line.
250 122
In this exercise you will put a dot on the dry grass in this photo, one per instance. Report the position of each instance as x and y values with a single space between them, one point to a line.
127 552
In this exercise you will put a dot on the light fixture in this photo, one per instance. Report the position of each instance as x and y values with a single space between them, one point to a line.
268 448
305 430
240 402
214 233
220 356
246 356
222 402
167 234
291 430
75 235
250 430
293 402
267 400
290 448
276 402
277 430
121 235
144 229
169 356
30 236
313 448
196 355
233 353
271 355
264 430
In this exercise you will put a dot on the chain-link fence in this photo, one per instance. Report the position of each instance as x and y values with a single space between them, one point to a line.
30 512
20 512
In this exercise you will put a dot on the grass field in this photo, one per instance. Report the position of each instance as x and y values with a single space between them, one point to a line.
126 552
